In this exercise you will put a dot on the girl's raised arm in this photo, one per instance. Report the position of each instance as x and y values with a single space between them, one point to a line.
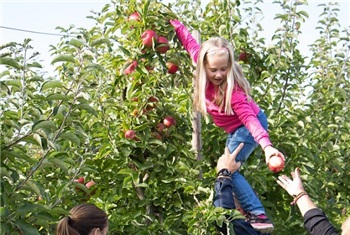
186 39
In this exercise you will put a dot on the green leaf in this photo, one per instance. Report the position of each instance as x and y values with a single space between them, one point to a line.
125 51
59 163
28 229
10 62
76 42
45 125
51 84
100 41
71 137
63 58
95 67
34 65
56 97
33 187
88 108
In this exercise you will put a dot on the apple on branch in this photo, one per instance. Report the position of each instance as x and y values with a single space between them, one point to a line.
244 57
131 68
130 134
148 37
172 65
134 16
169 121
163 45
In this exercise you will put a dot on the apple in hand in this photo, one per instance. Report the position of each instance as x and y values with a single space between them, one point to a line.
276 164
163 45
172 65
130 134
148 37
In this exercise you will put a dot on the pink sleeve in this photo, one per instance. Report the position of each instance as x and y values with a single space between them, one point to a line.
243 109
186 39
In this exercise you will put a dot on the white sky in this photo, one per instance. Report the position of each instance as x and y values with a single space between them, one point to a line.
46 15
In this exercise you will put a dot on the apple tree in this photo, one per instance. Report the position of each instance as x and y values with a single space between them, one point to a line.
113 127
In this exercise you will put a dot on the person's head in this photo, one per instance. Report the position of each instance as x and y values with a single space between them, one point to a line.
216 65
84 219
346 227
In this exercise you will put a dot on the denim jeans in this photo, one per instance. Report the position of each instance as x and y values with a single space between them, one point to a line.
240 186
224 198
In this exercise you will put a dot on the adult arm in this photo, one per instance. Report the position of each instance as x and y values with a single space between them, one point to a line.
186 39
315 221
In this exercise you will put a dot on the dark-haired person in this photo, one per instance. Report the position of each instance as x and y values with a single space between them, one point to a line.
84 219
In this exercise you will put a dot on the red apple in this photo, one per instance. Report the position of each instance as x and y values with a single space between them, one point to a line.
172 65
131 68
276 164
130 134
169 121
157 135
80 180
90 184
153 99
135 16
243 56
160 127
148 37
163 45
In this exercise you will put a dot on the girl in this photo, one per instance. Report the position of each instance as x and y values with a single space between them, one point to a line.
84 219
222 91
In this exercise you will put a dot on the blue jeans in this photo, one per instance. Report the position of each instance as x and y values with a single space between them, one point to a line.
224 198
240 186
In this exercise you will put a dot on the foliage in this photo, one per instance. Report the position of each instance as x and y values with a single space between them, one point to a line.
57 129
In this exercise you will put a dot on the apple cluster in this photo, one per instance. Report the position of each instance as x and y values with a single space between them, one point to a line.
89 185
150 40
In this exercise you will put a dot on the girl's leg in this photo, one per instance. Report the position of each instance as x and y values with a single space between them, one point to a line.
240 186
242 189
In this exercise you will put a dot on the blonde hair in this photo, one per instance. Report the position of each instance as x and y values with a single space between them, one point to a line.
235 76
82 220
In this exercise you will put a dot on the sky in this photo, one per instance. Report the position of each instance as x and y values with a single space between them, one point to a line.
45 15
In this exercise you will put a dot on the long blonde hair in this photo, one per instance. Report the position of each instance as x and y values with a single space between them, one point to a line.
235 76
82 220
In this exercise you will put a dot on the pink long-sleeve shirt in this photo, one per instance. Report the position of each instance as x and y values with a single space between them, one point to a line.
245 112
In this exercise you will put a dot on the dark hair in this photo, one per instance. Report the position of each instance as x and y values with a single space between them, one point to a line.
82 220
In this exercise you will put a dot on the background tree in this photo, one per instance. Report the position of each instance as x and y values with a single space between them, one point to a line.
96 131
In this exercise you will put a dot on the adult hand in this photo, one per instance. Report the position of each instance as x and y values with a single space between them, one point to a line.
228 160
271 151
293 187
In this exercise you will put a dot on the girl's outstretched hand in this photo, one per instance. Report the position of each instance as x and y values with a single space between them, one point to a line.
271 151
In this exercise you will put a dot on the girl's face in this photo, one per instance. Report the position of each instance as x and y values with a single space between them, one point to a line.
216 66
